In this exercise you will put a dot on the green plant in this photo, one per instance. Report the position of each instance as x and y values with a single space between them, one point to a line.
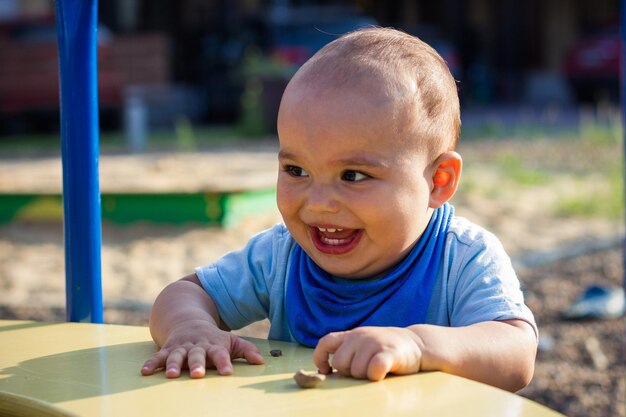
512 168
252 121
185 134
606 200
258 71
599 134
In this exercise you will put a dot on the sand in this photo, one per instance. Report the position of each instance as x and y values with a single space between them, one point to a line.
138 260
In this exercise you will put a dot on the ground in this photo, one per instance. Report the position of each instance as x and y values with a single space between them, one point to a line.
580 368
527 193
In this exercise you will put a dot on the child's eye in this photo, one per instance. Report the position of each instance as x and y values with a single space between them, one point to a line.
295 171
353 176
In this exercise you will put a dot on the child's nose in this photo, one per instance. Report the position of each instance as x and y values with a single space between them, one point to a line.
322 198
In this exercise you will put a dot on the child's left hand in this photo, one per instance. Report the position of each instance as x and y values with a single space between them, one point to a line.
370 352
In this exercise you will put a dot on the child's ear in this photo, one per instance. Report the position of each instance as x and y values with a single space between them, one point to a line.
445 176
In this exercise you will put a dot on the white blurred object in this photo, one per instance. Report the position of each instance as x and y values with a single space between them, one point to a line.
135 122
597 302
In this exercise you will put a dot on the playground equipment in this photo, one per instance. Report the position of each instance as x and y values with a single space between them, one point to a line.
77 36
83 369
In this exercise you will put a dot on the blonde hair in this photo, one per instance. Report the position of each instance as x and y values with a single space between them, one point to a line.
405 67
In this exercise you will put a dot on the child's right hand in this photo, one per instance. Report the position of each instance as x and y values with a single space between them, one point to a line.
198 345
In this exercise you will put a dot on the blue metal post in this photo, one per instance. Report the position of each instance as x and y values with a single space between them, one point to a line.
623 102
77 38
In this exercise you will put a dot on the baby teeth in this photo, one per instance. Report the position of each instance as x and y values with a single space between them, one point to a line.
329 230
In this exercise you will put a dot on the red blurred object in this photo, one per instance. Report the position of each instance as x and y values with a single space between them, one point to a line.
29 78
291 55
592 65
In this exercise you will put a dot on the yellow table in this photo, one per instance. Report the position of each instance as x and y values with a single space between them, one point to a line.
60 369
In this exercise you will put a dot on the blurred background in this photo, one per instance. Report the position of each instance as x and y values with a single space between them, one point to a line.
217 61
189 92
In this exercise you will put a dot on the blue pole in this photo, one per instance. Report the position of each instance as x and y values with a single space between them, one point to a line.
623 103
77 38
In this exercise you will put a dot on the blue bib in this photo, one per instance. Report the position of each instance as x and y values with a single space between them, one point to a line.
318 303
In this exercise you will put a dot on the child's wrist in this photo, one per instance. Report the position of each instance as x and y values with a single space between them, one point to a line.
431 359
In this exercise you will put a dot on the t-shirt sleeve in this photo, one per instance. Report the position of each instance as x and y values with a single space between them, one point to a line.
241 281
486 286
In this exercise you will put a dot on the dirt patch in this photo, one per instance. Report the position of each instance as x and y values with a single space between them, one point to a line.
217 170
568 377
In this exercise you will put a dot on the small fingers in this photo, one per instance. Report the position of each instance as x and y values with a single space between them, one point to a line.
157 361
360 362
174 362
379 366
326 346
196 361
220 358
344 359
247 350
197 357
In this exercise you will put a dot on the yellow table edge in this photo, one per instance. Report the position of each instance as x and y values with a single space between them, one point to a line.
16 405
271 385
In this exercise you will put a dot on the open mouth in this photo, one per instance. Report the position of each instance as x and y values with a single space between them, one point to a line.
335 241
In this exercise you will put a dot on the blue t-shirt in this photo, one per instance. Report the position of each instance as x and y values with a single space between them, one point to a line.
475 281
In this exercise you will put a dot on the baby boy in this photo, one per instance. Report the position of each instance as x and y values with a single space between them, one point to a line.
371 267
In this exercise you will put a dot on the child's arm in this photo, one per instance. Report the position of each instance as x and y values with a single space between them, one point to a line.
185 323
499 353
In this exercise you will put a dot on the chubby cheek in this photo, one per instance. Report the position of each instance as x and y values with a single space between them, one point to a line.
400 223
289 207
287 202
